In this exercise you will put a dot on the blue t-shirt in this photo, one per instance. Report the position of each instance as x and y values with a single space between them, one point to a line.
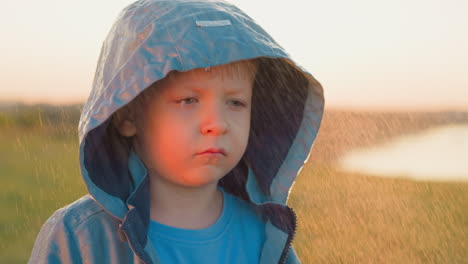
236 237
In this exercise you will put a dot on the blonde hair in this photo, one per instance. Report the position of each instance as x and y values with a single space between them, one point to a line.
242 68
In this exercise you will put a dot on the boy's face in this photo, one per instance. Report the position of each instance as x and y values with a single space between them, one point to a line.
189 114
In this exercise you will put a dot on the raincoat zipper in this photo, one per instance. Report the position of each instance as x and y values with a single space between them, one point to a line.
290 238
134 252
120 230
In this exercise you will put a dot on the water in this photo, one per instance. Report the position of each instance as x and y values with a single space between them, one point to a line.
439 154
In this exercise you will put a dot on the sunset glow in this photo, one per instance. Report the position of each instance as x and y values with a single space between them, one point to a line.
367 54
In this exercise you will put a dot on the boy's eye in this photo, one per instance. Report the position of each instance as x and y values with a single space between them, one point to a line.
185 99
188 99
239 103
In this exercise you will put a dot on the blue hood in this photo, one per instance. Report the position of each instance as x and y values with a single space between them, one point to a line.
151 38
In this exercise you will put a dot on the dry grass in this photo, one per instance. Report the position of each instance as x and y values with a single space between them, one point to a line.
343 217
350 218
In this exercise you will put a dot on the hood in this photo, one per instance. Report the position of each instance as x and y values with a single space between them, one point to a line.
152 38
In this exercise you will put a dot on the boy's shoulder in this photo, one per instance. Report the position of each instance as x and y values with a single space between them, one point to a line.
83 232
80 212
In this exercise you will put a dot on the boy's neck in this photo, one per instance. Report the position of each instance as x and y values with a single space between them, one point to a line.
184 207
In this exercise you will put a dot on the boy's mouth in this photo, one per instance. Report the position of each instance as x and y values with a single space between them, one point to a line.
214 151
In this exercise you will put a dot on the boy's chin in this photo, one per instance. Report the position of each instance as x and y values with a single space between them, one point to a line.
199 181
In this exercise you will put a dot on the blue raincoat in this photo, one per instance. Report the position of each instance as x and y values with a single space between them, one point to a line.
149 39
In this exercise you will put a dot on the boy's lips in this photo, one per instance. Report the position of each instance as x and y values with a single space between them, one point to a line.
213 151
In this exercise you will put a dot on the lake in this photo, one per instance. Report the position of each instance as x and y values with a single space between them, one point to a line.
438 154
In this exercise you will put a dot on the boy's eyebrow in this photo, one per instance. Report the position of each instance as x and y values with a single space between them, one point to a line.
200 90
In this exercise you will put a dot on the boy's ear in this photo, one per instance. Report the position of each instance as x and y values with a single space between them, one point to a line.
126 128
123 123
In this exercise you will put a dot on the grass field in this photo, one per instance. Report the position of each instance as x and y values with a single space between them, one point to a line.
343 217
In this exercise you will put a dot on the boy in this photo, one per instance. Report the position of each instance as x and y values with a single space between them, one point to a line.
194 132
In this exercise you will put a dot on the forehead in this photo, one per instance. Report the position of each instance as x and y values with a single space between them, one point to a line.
232 79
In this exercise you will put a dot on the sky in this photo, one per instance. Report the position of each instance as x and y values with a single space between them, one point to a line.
367 54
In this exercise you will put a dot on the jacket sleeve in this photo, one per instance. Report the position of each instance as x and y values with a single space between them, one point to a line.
292 258
56 242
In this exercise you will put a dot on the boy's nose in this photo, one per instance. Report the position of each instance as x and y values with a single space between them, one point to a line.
215 127
214 122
